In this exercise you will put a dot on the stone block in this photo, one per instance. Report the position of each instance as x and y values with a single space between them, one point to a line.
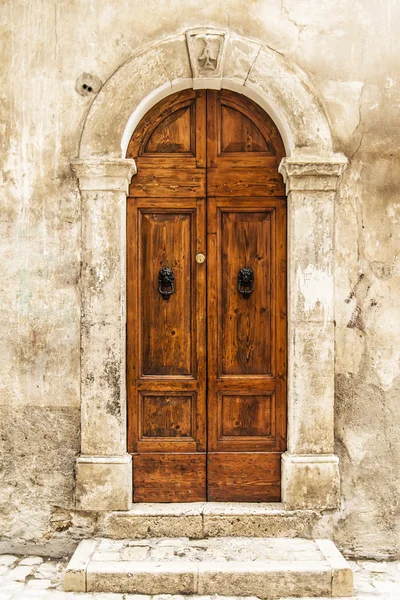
31 560
75 573
342 575
8 559
142 578
155 520
255 520
240 55
104 483
20 573
265 580
310 388
310 481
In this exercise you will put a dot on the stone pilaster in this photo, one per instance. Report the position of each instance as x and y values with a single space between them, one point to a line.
310 472
104 480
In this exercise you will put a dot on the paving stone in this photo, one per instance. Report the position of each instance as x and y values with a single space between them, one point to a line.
8 559
46 570
28 594
375 567
106 556
8 585
39 584
110 546
31 560
20 573
136 553
162 553
143 542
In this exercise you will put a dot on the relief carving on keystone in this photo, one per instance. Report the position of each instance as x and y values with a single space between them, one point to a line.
206 49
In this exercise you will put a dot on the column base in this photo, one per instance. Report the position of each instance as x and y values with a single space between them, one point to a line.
310 481
104 483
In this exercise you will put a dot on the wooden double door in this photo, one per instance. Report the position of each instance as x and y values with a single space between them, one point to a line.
206 286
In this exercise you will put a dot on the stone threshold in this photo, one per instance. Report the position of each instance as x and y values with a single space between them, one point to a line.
265 568
208 519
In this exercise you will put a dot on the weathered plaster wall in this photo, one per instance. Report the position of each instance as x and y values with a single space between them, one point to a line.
350 53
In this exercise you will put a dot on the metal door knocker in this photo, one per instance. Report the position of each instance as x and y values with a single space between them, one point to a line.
245 281
166 280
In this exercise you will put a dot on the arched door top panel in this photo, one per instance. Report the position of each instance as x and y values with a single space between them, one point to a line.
169 128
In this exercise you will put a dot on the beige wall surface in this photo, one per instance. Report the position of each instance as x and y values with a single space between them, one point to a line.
349 51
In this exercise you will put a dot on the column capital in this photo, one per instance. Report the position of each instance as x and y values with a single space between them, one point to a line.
308 173
104 175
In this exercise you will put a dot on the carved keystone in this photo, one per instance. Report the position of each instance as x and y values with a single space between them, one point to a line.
206 49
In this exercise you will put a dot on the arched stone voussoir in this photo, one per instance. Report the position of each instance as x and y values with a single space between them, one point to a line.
148 73
284 87
163 67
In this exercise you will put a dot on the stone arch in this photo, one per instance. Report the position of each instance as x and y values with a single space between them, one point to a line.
163 67
312 172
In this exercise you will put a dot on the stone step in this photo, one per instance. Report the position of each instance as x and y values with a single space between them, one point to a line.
224 566
207 519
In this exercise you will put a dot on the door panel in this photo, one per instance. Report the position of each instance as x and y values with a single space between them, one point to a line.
166 416
211 357
168 346
169 477
244 415
239 133
245 334
256 477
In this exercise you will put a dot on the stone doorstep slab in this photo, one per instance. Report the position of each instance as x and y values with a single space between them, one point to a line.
261 567
207 519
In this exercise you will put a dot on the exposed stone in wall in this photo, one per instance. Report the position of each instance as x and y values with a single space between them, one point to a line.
38 449
350 52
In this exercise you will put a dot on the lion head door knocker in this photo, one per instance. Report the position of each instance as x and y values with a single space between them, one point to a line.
166 280
245 281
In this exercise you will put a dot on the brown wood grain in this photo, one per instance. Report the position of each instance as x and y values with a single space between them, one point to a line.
169 477
166 416
245 332
240 182
159 182
169 121
167 325
245 477
207 182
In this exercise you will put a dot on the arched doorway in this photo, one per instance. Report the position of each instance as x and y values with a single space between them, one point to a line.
206 301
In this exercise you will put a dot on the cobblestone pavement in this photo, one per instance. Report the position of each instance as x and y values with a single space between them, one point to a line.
33 577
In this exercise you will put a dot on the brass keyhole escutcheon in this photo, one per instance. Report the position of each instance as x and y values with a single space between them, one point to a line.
200 258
